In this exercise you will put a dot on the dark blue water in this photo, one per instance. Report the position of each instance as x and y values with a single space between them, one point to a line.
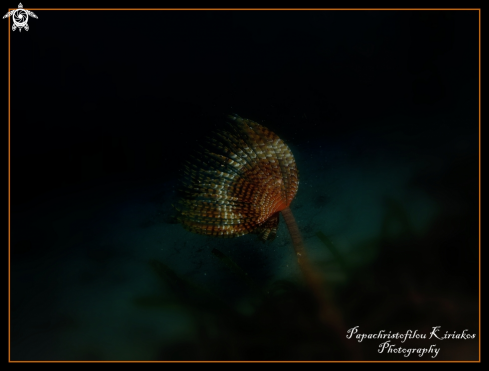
380 112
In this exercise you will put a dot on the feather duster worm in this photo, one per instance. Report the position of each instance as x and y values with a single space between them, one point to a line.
238 184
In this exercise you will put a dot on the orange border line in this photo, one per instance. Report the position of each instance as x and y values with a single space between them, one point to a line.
479 185
245 361
329 9
9 188
241 9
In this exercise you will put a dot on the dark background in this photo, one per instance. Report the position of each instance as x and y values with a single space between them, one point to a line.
104 97
98 95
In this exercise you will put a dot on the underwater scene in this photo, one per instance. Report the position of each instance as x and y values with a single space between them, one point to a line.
337 152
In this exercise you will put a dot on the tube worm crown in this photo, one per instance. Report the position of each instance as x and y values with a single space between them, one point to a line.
238 183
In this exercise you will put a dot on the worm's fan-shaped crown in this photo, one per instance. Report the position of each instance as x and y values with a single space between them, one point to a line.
238 183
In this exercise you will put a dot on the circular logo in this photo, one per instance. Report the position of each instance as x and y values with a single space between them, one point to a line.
20 17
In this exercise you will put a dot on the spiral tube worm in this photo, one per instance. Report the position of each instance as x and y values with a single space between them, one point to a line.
238 184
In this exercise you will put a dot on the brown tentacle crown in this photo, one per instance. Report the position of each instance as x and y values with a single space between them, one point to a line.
238 183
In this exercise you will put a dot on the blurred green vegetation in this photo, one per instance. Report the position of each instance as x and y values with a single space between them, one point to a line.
395 281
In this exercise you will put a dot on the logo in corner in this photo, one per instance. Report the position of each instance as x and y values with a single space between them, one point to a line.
20 17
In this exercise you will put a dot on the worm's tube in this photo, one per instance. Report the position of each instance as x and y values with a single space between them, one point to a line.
328 312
